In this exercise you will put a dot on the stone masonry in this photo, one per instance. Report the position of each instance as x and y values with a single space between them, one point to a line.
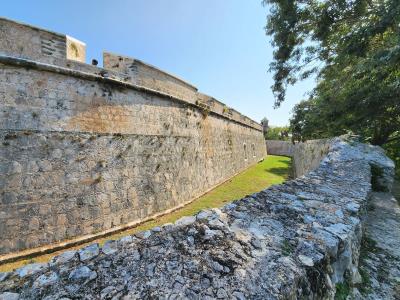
296 240
305 156
85 151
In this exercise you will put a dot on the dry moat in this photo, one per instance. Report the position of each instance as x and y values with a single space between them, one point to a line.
272 170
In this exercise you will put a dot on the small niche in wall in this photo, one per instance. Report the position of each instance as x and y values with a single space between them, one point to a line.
245 151
253 149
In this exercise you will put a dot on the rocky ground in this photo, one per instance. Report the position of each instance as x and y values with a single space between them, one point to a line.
298 240
380 252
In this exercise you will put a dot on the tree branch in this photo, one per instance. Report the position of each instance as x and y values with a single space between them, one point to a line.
393 139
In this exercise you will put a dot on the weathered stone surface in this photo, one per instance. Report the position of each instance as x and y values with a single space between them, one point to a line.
4 275
9 296
30 269
259 247
63 257
82 274
185 221
89 252
45 280
109 247
380 252
86 156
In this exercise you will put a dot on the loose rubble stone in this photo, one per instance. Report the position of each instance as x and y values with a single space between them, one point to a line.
88 252
143 234
45 280
185 221
109 247
82 274
30 269
126 239
63 257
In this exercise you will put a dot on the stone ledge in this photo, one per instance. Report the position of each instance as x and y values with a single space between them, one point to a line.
295 240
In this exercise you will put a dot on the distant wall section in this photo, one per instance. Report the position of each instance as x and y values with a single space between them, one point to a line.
306 156
275 147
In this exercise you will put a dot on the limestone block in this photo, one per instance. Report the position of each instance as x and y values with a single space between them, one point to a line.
76 50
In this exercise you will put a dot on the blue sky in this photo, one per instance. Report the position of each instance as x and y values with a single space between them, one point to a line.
217 45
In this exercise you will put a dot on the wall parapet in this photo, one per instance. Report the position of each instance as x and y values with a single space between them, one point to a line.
26 45
299 239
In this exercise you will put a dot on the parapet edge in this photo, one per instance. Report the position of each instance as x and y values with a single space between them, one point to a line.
49 51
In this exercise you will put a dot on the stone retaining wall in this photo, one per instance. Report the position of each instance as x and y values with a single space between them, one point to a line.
305 156
296 240
275 147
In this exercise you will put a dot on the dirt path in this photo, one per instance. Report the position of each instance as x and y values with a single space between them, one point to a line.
380 253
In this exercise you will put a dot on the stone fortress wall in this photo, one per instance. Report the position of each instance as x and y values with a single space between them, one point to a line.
86 150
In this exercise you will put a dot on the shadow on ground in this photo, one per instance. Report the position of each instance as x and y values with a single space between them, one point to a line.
280 171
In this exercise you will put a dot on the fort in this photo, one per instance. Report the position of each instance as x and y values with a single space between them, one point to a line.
88 150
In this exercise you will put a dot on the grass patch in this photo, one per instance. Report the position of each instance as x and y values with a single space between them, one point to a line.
272 170
287 248
365 286
342 291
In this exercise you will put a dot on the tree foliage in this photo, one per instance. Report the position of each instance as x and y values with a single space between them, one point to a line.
353 49
277 133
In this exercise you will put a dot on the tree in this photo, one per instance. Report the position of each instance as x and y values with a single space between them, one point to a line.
265 125
277 133
353 49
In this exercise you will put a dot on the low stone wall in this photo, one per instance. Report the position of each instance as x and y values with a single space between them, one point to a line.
275 147
305 156
296 240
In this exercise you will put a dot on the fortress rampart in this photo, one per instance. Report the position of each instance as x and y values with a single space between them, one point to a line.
85 151
296 240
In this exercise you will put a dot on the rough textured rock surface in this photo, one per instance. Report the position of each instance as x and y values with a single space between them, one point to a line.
380 252
295 240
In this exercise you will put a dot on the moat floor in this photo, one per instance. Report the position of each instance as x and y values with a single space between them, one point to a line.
272 170
380 254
